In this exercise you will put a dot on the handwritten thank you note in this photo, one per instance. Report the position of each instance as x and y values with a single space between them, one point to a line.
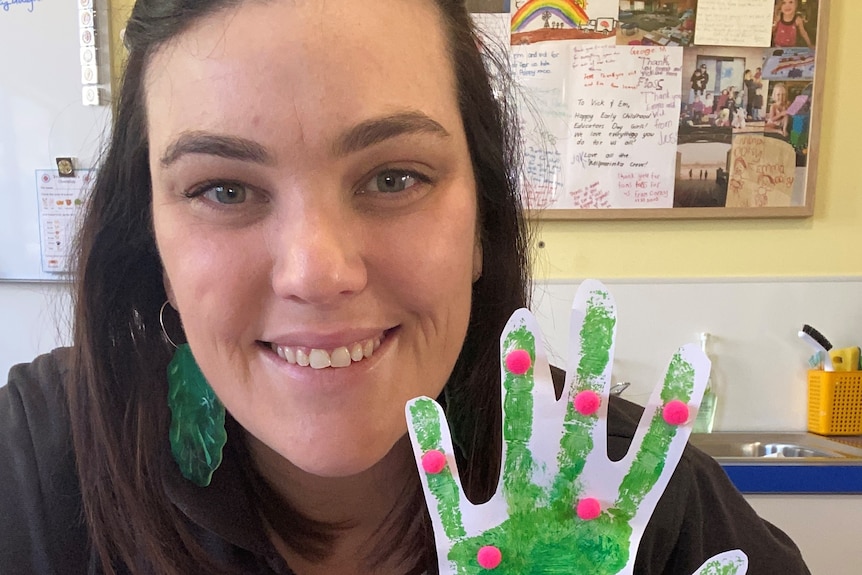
541 71
734 22
622 146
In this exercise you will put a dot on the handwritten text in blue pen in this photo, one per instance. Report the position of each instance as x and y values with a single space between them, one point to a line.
7 4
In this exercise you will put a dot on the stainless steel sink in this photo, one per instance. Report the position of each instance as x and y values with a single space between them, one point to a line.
771 447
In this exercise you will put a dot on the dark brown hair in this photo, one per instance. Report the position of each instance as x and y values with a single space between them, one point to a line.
118 392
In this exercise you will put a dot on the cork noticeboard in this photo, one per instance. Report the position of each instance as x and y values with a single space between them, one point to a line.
646 109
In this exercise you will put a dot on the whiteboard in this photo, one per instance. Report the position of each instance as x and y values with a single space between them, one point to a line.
42 116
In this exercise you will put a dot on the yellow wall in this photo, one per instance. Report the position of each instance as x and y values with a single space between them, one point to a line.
119 12
829 243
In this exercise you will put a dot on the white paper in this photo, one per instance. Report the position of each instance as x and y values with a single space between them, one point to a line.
624 132
599 124
61 202
734 22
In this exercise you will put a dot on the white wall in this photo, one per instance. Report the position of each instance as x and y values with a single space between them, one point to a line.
759 362
824 527
34 319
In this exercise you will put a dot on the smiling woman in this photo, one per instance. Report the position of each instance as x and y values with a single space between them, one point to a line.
320 199
320 218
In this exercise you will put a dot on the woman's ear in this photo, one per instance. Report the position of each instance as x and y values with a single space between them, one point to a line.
169 290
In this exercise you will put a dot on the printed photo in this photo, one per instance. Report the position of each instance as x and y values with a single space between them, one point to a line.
656 22
723 88
789 115
794 23
702 164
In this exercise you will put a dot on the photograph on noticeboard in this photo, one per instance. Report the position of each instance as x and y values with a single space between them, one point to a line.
643 23
742 138
788 115
701 169
794 23
723 88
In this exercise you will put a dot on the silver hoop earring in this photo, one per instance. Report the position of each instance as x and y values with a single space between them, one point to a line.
162 323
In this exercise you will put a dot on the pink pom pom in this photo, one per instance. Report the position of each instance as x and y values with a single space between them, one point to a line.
675 412
433 462
589 508
489 557
587 402
518 362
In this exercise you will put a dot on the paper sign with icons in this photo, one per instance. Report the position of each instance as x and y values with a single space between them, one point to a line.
61 201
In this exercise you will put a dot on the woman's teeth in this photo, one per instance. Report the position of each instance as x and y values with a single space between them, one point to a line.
321 358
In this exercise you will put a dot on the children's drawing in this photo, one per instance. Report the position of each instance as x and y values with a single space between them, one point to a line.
561 505
542 20
789 64
762 173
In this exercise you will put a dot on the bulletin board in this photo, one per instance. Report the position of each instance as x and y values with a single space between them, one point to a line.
55 99
639 109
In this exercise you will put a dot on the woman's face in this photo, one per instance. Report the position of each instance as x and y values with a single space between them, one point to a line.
314 201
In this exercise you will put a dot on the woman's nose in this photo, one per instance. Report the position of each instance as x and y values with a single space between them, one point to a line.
317 255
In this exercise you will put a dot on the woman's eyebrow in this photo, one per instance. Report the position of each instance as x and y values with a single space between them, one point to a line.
200 142
376 130
361 136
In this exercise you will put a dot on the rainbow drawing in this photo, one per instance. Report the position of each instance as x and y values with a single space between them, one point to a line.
569 11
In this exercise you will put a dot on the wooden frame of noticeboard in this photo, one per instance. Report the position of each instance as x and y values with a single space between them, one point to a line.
739 166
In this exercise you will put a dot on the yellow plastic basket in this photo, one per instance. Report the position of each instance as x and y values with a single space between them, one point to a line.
835 402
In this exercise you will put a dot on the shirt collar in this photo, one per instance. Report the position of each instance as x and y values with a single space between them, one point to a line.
225 507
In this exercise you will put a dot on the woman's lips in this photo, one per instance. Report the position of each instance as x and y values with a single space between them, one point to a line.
341 356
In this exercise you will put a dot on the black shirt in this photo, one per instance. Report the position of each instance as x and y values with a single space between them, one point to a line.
42 531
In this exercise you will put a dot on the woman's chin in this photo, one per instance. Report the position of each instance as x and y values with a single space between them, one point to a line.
342 465
335 461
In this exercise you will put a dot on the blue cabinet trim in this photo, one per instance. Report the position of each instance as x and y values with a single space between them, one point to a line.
796 478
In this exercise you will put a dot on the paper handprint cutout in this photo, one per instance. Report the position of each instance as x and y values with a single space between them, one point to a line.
561 506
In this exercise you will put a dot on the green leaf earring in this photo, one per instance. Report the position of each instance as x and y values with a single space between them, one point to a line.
197 431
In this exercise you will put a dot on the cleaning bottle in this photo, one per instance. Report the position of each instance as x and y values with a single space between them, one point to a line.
706 414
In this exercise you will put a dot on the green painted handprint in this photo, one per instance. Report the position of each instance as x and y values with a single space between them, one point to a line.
561 506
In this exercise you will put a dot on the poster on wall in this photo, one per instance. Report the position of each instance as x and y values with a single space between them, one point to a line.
61 202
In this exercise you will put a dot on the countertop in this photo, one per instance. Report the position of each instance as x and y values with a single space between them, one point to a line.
786 476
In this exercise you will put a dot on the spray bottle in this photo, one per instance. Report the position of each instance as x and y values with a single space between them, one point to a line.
706 414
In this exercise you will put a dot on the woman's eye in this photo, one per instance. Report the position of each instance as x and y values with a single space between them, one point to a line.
392 181
226 193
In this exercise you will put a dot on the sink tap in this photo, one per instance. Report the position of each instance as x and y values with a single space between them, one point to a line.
619 388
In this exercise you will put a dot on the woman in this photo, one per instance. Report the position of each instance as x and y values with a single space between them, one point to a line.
299 180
